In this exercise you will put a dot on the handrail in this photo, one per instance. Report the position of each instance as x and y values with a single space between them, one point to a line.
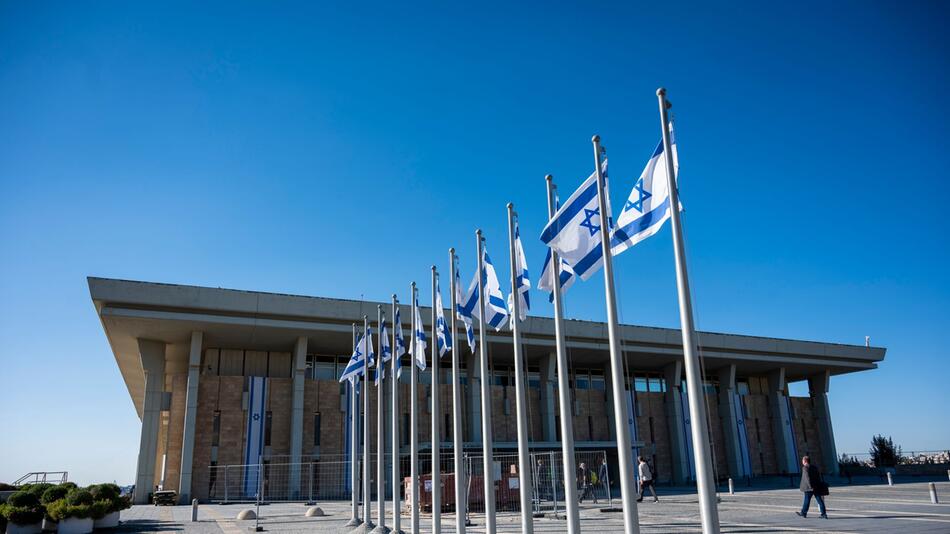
37 477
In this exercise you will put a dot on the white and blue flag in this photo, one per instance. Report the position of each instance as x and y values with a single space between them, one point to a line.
574 231
400 343
546 282
443 338
464 314
496 309
386 349
522 278
254 432
648 205
417 347
354 368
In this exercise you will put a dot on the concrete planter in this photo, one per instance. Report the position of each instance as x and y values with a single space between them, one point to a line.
75 525
111 520
49 525
34 528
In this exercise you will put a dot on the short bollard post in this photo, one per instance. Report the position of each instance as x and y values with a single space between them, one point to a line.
194 510
732 489
890 479
933 494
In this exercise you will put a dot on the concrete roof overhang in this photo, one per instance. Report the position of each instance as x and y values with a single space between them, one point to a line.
169 313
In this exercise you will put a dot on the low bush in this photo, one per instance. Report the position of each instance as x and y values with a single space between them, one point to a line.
22 508
38 489
54 494
7 487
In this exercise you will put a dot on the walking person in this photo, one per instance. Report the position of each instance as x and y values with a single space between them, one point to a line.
812 485
583 479
602 476
646 479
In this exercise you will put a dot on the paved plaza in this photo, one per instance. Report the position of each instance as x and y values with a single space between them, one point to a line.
903 508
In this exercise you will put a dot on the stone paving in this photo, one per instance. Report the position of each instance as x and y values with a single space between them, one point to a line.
903 508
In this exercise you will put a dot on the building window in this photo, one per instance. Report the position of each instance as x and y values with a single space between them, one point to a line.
406 429
534 378
640 384
656 384
448 426
316 429
742 388
582 379
267 426
597 381
216 429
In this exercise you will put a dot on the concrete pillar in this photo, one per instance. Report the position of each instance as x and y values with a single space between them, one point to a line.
781 429
296 418
191 410
729 420
818 390
673 373
609 400
473 398
152 354
547 396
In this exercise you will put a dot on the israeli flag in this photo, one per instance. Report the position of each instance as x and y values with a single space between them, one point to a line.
464 314
546 282
418 345
574 231
443 338
400 343
354 368
648 205
387 351
522 278
496 309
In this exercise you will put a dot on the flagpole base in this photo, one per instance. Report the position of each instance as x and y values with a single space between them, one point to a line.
354 522
380 529
365 528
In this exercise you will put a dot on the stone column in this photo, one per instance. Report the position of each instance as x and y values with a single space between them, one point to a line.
729 420
473 398
152 354
673 373
609 400
547 396
818 390
778 407
191 410
296 419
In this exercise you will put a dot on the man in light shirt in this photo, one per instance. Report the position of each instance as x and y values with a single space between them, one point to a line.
646 479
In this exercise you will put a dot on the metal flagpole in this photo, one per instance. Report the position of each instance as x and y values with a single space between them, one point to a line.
621 415
395 435
697 409
436 415
488 480
380 429
563 387
367 500
414 419
524 463
460 500
354 436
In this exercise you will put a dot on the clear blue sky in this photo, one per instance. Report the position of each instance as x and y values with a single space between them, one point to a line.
334 152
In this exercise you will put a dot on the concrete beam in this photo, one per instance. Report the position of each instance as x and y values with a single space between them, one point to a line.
296 416
547 396
786 458
673 373
152 356
818 390
191 410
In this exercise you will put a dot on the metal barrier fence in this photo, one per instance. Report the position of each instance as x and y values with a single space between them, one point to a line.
329 479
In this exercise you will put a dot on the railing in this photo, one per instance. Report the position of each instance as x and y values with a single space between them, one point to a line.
905 458
37 477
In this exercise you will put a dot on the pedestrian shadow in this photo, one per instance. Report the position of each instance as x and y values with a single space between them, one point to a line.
147 525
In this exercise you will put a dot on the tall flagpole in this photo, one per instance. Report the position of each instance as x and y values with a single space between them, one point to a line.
563 386
395 387
697 409
367 508
436 415
460 501
414 418
354 437
380 428
524 463
621 415
488 480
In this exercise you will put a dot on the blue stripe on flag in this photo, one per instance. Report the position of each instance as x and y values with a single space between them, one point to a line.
556 225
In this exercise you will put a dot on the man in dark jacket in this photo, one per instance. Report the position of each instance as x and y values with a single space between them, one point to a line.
812 485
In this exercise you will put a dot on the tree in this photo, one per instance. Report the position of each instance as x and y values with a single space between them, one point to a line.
884 453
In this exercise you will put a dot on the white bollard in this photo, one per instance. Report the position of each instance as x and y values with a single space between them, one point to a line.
194 510
732 488
890 479
933 494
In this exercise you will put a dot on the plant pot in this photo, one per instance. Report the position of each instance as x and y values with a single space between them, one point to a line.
49 525
75 525
110 520
32 528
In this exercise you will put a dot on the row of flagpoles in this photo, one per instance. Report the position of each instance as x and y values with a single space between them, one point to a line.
582 238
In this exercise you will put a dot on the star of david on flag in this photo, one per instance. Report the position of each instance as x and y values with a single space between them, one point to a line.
354 368
496 310
648 205
574 231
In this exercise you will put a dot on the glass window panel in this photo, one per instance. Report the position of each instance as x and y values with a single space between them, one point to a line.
640 383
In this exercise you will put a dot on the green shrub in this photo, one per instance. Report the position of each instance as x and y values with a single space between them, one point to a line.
101 508
37 489
22 508
61 510
7 487
79 497
109 492
54 494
